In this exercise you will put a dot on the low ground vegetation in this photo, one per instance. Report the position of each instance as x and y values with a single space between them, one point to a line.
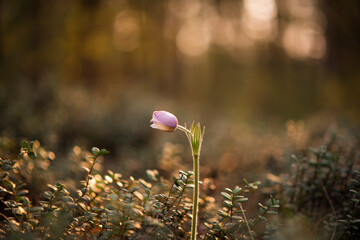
320 193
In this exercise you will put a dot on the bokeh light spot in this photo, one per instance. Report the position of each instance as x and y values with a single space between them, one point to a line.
126 35
260 19
184 8
303 41
193 38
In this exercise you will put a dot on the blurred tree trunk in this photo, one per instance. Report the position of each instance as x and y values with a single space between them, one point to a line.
89 69
343 37
1 35
36 42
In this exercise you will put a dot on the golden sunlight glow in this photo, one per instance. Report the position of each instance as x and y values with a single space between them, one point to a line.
126 35
303 37
241 40
184 8
259 19
222 31
77 150
262 10
303 41
51 156
301 8
193 38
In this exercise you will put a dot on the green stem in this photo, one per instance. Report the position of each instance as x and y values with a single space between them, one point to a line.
185 130
83 193
195 137
246 221
196 197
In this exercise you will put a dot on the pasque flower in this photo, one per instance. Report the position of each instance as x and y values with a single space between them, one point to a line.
164 121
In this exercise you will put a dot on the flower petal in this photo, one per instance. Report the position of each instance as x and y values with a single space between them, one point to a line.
164 121
166 118
162 127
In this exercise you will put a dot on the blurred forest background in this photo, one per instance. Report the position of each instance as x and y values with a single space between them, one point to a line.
263 76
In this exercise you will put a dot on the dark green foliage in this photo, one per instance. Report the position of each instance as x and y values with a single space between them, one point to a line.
232 222
110 207
349 219
323 188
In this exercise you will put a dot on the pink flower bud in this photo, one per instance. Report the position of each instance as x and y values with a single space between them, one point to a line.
164 121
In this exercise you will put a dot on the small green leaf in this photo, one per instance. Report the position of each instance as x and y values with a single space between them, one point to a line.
244 199
26 201
237 190
32 155
95 151
228 203
223 214
2 189
60 186
246 182
36 209
144 183
22 192
84 190
152 174
262 206
226 195
237 218
67 199
14 225
24 145
10 184
147 191
31 145
137 212
104 151
48 194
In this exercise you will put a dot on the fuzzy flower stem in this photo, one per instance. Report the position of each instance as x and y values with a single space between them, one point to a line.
195 136
165 121
196 197
185 130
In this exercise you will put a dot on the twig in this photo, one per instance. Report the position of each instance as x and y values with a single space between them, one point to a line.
6 218
10 208
83 193
165 202
247 224
332 209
